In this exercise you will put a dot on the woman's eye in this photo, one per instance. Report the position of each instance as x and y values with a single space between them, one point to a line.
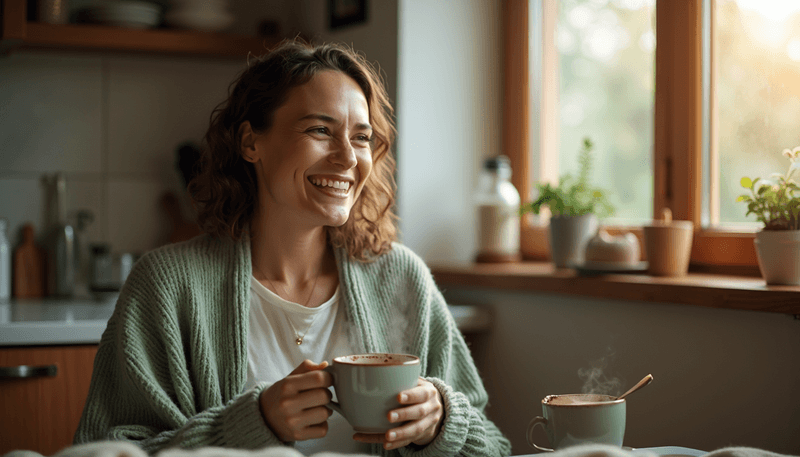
364 138
319 130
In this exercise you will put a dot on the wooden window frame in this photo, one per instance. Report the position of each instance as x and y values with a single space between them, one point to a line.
678 126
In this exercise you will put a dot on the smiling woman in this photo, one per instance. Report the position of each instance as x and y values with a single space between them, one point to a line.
258 101
224 339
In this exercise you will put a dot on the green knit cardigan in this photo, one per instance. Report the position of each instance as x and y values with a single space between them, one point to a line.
172 363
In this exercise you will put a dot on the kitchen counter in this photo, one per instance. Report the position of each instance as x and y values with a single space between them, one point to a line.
82 321
53 321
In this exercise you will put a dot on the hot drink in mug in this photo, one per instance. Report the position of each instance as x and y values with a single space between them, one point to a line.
367 386
573 419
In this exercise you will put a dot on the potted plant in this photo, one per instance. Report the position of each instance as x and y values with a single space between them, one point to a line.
575 206
776 204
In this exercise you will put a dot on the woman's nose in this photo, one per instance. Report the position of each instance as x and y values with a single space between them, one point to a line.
343 155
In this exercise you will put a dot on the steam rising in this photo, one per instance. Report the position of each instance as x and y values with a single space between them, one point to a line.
595 379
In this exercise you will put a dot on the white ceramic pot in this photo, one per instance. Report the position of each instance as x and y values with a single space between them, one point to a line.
778 253
568 238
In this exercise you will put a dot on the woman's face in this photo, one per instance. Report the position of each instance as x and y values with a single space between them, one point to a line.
313 162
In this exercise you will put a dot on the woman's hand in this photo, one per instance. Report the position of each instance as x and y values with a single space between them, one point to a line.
294 407
423 418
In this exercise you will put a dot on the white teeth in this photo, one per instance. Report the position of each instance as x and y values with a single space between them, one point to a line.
342 185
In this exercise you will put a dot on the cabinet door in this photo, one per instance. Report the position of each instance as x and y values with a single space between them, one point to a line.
41 412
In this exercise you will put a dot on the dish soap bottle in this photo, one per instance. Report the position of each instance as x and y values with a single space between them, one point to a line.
498 213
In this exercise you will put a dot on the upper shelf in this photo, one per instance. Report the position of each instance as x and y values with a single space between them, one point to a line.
17 32
159 41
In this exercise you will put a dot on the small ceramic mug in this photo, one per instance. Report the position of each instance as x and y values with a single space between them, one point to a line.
574 419
367 386
668 245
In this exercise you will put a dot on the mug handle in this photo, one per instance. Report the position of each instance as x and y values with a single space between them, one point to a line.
332 405
538 420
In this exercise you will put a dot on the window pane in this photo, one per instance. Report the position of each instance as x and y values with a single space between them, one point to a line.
758 93
606 52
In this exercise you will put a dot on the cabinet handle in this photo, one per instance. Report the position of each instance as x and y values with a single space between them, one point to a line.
27 371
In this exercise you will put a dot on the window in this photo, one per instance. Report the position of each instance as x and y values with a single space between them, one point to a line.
757 49
606 63
693 161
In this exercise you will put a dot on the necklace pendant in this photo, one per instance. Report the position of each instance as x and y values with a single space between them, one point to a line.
299 340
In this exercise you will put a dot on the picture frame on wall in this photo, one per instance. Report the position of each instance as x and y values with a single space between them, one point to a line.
347 13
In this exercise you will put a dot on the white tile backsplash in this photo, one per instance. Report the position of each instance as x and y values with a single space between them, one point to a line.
136 221
50 113
155 104
24 201
112 124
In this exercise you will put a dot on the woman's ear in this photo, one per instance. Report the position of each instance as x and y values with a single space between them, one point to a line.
247 142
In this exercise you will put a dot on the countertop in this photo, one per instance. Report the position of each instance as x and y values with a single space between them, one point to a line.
53 321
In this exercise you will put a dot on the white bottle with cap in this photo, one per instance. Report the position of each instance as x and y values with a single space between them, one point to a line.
498 213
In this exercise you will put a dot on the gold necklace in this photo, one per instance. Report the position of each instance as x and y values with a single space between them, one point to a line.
298 337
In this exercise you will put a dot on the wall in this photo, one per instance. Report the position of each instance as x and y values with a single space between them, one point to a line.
449 114
721 377
377 39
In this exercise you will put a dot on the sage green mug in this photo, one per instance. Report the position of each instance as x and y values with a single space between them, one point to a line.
574 419
367 386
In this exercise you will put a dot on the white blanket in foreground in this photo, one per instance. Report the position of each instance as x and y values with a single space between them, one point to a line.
120 449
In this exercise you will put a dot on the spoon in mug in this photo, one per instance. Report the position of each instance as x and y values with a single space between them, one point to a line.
645 381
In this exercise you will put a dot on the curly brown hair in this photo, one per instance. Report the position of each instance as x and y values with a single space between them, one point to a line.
224 189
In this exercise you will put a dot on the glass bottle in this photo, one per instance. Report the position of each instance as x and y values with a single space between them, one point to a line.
498 213
62 259
5 262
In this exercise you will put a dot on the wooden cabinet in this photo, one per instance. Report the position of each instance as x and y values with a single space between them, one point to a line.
41 412
16 32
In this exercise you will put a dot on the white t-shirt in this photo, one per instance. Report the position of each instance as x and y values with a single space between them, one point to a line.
272 353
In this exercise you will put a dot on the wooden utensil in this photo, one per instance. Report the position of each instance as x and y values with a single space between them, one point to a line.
28 267
182 229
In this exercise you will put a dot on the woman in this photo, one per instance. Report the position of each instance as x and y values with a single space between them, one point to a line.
221 340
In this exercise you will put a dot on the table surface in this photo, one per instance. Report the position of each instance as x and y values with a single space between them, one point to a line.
662 451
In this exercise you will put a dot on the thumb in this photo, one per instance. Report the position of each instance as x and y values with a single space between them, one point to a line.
307 366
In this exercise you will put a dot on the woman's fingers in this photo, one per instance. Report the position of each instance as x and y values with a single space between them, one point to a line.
313 432
309 418
307 365
306 400
420 420
294 406
298 383
422 392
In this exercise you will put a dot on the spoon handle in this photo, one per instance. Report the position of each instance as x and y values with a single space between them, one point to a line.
645 381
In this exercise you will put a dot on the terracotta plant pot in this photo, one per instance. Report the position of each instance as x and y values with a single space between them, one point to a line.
778 253
568 238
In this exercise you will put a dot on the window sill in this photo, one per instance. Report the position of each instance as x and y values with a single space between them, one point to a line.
696 288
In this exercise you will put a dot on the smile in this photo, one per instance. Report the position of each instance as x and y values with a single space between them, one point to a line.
340 186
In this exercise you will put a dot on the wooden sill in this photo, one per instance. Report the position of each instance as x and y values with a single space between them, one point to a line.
698 289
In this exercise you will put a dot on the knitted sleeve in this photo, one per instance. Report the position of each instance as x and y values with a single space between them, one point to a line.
466 430
156 383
